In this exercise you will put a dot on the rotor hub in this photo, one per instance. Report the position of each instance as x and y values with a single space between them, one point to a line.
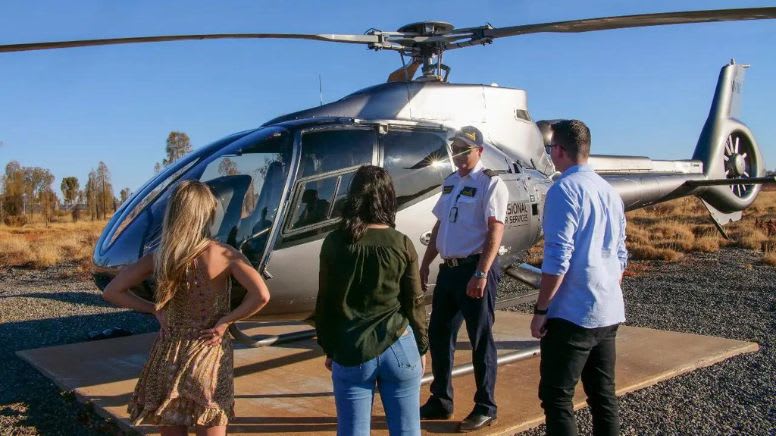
738 165
427 28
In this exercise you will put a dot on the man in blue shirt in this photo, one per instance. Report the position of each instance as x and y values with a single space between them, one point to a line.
580 301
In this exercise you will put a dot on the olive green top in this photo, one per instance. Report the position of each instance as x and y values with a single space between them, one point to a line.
368 293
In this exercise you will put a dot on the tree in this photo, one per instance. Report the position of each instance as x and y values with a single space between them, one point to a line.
227 167
80 199
178 145
13 189
36 181
48 204
124 195
104 196
70 187
91 194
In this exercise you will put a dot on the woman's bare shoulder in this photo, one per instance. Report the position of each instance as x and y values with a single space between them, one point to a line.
221 252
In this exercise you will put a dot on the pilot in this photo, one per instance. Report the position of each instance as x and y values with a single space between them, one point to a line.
470 223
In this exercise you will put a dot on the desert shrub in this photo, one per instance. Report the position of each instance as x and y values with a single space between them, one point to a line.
770 258
751 239
13 249
706 244
636 235
705 231
671 230
15 220
46 255
651 253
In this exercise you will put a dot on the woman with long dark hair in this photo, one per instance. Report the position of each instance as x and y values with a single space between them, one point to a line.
370 314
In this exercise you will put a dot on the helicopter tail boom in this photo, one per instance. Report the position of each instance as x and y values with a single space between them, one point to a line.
725 172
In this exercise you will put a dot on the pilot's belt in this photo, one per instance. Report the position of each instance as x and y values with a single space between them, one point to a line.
458 261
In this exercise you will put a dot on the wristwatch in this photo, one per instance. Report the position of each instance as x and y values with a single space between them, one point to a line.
480 274
538 311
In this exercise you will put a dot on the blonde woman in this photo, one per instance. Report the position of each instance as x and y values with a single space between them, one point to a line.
188 379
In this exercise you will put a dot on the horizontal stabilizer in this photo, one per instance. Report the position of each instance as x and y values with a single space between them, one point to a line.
733 181
721 218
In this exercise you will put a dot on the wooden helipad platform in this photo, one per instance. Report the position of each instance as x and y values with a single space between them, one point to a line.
285 389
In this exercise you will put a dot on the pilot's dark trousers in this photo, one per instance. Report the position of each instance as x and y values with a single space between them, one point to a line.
450 307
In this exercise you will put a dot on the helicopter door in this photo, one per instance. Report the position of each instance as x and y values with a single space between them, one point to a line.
418 163
329 157
521 220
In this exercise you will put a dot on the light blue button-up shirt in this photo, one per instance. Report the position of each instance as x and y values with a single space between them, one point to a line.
584 240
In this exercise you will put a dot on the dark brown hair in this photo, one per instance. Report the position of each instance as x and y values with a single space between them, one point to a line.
371 200
573 136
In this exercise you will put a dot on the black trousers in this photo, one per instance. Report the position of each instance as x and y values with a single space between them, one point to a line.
568 351
449 308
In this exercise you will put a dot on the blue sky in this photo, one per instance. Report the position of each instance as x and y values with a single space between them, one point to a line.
642 91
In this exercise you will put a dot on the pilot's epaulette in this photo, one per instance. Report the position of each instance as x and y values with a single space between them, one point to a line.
446 177
490 173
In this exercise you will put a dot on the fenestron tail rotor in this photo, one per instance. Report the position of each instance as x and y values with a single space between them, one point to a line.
738 156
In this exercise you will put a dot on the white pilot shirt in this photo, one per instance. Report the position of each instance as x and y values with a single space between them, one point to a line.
477 197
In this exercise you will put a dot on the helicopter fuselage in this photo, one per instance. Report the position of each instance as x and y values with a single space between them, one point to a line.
281 187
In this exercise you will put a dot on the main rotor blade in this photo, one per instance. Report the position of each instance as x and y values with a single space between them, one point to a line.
352 39
626 21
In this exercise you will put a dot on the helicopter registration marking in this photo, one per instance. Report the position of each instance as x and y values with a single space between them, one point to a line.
517 214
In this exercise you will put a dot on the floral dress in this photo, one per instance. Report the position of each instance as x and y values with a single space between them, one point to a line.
185 381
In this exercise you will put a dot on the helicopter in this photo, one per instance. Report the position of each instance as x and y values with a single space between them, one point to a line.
281 186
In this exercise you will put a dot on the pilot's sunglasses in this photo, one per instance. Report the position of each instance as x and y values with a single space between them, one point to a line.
461 151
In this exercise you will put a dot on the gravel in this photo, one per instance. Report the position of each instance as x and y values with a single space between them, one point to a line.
44 308
728 294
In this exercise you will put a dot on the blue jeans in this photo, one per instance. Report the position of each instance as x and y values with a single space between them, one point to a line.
396 373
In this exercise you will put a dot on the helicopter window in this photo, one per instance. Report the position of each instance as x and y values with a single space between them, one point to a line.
523 114
315 202
320 200
329 160
417 161
248 183
330 150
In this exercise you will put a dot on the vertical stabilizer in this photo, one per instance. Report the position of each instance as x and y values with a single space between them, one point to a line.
727 147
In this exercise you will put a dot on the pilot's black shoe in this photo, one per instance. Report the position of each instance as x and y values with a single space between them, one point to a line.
433 409
475 421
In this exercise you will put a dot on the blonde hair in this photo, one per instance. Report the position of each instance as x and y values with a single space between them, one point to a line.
185 234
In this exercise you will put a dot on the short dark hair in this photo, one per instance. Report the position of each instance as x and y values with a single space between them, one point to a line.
572 136
371 200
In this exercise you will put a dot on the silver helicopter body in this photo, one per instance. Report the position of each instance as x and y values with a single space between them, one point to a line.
306 159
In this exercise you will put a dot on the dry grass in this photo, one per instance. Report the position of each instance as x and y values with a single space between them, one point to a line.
39 246
662 232
668 230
